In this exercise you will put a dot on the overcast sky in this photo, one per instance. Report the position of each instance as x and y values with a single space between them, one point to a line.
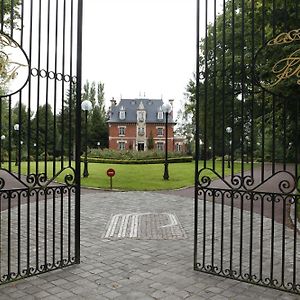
138 47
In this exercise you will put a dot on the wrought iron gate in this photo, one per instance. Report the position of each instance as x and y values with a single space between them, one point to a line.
40 83
247 187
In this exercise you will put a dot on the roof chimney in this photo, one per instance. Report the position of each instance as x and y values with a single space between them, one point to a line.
113 102
171 102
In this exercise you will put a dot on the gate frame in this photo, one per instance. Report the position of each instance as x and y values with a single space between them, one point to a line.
39 179
294 289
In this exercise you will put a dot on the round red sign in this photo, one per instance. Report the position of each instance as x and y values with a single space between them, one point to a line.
110 172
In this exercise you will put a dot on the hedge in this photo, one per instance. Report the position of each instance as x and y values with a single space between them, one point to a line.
138 161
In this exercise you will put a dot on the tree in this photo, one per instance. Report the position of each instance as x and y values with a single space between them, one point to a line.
66 124
9 18
228 91
97 126
150 141
43 130
186 128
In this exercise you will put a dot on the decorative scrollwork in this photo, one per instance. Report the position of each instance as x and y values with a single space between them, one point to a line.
285 181
2 183
279 75
52 75
12 60
69 179
285 38
204 181
286 68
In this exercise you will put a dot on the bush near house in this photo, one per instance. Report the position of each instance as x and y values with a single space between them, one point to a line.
138 161
134 157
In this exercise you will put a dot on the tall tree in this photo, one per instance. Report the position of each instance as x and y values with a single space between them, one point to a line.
43 130
227 56
98 131
66 123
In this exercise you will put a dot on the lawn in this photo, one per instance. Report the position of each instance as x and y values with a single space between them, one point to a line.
134 177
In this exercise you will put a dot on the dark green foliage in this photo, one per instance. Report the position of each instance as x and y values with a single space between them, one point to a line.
10 16
42 130
224 82
129 154
150 141
139 161
98 131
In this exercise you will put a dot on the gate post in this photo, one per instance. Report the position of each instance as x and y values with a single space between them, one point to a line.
78 132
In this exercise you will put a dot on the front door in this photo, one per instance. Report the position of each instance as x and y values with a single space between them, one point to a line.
141 146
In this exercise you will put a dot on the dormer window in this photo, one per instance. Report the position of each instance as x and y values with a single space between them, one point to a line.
160 115
122 113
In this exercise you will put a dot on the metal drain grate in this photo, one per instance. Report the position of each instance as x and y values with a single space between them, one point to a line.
148 226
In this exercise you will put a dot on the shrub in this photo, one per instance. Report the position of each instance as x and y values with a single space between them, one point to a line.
130 154
138 161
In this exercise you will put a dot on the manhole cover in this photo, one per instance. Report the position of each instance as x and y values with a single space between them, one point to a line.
151 226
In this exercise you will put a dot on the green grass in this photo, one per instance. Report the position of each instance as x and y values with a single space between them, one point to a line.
134 177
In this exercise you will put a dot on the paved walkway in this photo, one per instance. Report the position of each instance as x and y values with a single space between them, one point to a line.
135 265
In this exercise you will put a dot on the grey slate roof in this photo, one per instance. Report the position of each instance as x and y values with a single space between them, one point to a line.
152 107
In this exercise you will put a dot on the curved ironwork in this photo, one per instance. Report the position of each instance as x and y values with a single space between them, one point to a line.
247 182
39 167
10 67
53 75
40 180
247 151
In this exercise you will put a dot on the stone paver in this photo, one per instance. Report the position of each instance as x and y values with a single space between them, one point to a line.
134 268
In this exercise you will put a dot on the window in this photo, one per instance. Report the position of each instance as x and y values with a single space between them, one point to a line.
121 145
160 146
160 115
141 117
121 130
178 147
122 114
160 131
141 131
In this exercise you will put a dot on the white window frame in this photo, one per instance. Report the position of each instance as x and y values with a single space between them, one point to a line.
178 147
141 131
160 146
122 128
162 131
160 115
141 116
123 147
122 114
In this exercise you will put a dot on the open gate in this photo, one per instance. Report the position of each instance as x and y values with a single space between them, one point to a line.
40 86
247 187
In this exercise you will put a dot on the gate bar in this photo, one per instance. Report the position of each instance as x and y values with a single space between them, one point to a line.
78 131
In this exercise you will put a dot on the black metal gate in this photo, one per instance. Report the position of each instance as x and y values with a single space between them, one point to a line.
40 83
247 187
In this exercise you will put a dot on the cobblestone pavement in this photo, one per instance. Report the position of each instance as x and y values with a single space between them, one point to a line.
128 267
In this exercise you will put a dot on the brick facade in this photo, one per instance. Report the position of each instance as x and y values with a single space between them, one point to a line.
135 135
130 136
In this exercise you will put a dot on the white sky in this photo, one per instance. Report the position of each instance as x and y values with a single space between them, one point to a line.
140 46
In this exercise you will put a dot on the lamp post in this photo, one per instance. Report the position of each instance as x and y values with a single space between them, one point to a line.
1 146
166 108
98 144
16 128
229 130
86 106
